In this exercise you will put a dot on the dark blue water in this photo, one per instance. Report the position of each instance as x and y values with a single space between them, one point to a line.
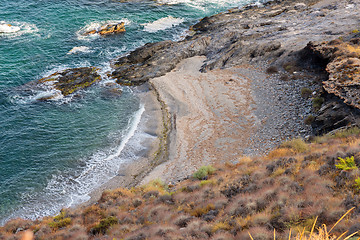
52 154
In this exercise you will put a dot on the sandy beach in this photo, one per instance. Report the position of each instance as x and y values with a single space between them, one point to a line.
219 116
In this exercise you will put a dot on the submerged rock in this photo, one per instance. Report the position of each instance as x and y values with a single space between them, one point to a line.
108 29
70 80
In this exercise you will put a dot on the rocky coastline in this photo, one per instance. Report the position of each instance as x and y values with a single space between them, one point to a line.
241 83
279 50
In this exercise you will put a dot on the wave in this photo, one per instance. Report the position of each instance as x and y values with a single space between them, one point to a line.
67 189
205 4
82 49
95 26
162 24
15 29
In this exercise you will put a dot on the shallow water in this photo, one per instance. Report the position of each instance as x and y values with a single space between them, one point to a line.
53 154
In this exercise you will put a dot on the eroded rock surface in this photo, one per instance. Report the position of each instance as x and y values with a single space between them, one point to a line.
63 83
108 29
343 68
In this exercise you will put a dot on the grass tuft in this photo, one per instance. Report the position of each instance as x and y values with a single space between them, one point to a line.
298 145
204 172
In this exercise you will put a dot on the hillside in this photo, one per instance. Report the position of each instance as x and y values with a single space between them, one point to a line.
231 95
287 189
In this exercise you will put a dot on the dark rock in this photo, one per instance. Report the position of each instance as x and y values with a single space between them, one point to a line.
333 115
68 81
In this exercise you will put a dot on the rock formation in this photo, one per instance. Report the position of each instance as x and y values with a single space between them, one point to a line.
69 80
108 29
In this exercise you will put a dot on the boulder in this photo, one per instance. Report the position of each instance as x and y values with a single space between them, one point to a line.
70 80
108 29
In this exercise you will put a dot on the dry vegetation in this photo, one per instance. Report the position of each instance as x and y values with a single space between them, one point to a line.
282 194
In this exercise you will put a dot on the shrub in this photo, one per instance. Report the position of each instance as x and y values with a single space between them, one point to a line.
318 102
289 67
198 212
60 224
357 184
203 172
309 120
346 164
271 70
60 221
208 182
104 225
347 132
306 92
298 145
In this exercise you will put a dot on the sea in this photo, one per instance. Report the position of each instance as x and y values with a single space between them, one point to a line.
54 153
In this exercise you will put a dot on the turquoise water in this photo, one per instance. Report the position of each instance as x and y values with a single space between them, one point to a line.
53 154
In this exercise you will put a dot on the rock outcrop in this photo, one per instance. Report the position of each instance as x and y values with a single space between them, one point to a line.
67 81
108 29
255 34
341 60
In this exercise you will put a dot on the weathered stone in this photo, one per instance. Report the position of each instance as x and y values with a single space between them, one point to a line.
71 80
108 29
343 68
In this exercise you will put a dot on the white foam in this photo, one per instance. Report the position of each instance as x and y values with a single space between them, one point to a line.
75 50
73 188
7 28
162 24
96 26
14 29
205 4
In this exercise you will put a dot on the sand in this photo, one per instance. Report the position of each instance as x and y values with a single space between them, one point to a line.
222 115
214 117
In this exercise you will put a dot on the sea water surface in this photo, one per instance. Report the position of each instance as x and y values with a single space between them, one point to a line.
53 154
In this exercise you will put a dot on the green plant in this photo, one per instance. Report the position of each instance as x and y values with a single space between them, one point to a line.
60 221
306 92
318 102
357 184
208 182
346 164
104 225
347 132
309 120
203 172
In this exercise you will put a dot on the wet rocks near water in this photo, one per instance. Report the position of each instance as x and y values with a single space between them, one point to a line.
108 29
70 80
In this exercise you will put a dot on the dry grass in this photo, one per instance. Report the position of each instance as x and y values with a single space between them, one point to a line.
298 145
287 189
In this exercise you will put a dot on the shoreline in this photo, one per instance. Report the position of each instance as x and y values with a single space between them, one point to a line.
155 123
222 115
